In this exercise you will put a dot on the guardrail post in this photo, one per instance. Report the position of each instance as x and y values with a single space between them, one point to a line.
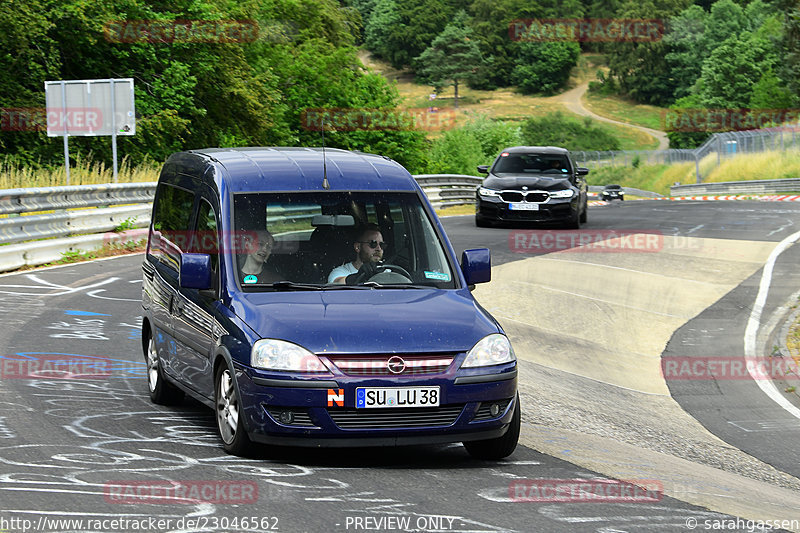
697 166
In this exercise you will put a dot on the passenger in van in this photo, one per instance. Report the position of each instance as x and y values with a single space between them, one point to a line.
369 247
252 265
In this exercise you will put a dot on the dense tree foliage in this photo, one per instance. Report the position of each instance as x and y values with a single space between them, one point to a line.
192 93
557 129
225 92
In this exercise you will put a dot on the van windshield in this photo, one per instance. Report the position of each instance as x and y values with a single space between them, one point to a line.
336 239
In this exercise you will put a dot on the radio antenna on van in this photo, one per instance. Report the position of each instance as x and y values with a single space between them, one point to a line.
325 184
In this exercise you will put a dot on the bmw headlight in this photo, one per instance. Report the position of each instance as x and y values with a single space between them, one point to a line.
563 193
494 349
274 354
483 191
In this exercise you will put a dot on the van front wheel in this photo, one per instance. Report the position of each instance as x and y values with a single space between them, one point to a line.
501 446
229 414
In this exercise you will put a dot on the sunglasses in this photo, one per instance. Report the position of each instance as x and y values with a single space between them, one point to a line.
374 244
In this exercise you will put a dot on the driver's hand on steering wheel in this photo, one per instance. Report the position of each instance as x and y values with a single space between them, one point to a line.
366 271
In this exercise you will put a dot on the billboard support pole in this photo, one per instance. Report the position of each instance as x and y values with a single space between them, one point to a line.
114 129
66 137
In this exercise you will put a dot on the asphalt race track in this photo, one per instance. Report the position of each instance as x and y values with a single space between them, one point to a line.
68 445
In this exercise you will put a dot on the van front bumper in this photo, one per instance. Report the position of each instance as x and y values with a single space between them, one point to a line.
473 406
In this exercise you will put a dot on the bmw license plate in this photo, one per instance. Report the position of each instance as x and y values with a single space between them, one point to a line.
523 206
375 397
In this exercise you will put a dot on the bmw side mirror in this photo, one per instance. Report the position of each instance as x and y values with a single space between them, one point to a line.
195 271
483 169
581 171
476 265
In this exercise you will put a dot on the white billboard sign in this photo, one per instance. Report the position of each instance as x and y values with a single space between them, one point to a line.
90 107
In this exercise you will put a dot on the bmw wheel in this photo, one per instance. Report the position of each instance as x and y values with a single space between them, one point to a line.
229 414
501 446
161 391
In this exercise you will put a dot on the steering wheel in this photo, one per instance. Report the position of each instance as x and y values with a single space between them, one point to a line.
394 268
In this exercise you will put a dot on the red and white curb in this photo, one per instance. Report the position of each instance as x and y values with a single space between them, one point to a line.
769 198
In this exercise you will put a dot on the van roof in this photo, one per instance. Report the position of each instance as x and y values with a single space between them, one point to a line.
293 169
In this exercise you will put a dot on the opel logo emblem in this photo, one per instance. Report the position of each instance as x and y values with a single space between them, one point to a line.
524 187
396 365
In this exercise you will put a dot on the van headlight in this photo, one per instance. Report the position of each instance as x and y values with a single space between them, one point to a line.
483 191
491 350
563 193
274 354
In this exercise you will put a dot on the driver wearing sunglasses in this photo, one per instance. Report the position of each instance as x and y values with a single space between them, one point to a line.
369 247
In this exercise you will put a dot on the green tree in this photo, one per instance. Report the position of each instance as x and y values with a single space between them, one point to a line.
544 67
379 29
639 67
452 58
732 69
687 49
556 129
770 92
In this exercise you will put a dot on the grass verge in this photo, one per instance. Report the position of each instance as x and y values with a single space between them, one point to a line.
85 172
617 108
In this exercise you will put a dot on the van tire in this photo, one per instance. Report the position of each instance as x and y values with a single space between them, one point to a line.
228 412
162 392
500 447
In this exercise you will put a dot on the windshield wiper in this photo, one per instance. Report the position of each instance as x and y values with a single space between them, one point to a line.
376 285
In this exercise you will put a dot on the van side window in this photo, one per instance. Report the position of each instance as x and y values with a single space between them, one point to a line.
171 217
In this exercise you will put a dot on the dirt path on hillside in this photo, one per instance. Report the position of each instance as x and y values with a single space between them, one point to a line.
572 100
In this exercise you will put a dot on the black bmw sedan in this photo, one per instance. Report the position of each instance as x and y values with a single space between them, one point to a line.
532 184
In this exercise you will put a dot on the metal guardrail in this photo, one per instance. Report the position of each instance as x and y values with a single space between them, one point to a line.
18 201
736 187
449 189
64 223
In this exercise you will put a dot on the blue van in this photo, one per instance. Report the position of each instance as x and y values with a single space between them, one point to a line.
311 298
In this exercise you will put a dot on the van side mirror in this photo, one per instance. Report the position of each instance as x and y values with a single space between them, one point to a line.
476 264
195 271
483 169
581 171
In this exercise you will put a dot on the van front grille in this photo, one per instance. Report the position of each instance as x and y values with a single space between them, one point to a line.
396 418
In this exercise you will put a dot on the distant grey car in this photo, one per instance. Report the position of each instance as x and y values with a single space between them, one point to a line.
612 192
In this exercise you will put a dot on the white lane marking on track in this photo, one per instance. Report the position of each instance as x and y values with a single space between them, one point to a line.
94 294
751 332
695 229
43 284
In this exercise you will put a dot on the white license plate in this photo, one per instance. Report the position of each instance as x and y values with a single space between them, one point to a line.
376 397
523 206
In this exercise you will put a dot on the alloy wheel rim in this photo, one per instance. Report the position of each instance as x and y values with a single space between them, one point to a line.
227 408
